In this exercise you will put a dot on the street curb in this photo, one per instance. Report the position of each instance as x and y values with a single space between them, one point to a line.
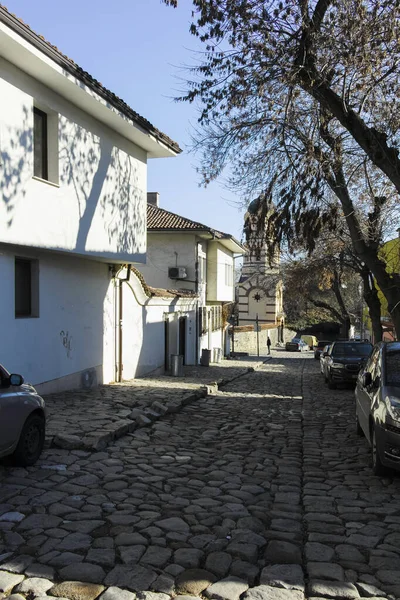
146 417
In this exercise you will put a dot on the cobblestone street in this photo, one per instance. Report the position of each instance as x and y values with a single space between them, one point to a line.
262 491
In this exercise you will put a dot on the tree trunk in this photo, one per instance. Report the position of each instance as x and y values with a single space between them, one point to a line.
371 298
372 141
321 304
388 283
339 297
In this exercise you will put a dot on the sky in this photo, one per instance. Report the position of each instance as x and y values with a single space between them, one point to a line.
138 49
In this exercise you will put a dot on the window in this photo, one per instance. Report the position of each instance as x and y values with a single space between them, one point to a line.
202 264
40 153
204 320
228 274
26 288
393 367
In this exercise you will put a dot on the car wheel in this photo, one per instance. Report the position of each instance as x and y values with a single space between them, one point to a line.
359 430
331 384
31 441
377 467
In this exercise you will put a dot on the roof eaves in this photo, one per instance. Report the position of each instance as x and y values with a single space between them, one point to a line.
69 65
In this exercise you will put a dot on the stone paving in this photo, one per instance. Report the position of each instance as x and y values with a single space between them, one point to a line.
261 491
90 419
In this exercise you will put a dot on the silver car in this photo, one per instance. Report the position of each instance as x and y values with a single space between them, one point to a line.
22 420
322 358
378 405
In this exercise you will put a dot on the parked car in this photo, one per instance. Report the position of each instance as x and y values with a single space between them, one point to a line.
310 340
319 348
22 419
344 360
378 405
296 345
322 358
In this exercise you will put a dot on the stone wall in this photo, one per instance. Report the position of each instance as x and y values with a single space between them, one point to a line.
246 341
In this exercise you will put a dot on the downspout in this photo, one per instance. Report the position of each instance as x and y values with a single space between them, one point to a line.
120 315
197 349
119 320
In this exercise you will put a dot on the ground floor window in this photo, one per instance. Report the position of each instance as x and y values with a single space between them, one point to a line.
26 287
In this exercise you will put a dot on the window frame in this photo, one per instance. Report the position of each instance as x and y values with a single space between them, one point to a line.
45 145
33 301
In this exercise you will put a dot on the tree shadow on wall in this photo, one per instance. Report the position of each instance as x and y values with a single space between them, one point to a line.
13 163
105 181
104 178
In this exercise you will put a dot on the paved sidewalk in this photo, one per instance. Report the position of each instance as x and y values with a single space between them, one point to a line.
90 419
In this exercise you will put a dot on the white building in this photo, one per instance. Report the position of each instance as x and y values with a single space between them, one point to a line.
188 256
73 178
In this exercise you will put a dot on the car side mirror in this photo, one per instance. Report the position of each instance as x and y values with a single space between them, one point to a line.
366 379
16 379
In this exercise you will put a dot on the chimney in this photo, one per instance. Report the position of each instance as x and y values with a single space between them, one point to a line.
153 198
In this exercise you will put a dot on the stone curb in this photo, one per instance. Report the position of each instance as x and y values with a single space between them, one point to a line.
141 418
229 588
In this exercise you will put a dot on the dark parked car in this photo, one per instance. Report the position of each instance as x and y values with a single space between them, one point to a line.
378 405
22 419
320 346
344 360
296 345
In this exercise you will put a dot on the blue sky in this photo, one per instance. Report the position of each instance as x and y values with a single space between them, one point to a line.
137 49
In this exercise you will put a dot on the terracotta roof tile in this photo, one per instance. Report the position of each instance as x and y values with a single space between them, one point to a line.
159 219
67 63
162 293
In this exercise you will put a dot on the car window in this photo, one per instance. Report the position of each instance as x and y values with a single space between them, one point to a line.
351 349
378 368
393 367
373 359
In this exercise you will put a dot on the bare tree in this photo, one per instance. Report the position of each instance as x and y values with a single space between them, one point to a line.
302 96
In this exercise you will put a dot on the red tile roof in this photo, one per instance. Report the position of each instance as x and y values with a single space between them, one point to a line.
159 219
68 64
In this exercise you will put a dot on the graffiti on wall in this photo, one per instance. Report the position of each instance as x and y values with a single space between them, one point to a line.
66 340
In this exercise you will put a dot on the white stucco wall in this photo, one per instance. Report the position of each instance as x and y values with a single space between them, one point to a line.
169 250
144 329
217 289
66 339
98 207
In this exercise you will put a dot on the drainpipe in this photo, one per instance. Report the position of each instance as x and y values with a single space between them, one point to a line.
118 320
197 349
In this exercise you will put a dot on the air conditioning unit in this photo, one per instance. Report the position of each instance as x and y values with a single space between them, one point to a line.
177 272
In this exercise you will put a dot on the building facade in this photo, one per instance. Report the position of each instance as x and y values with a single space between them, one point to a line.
183 255
73 161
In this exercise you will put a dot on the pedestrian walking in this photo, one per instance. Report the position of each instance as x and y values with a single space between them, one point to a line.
269 345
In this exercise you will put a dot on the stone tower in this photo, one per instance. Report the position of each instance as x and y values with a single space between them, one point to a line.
260 286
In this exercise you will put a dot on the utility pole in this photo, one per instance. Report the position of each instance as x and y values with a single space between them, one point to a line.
258 336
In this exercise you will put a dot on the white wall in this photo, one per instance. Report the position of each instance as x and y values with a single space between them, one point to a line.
98 206
75 304
169 250
217 289
144 329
